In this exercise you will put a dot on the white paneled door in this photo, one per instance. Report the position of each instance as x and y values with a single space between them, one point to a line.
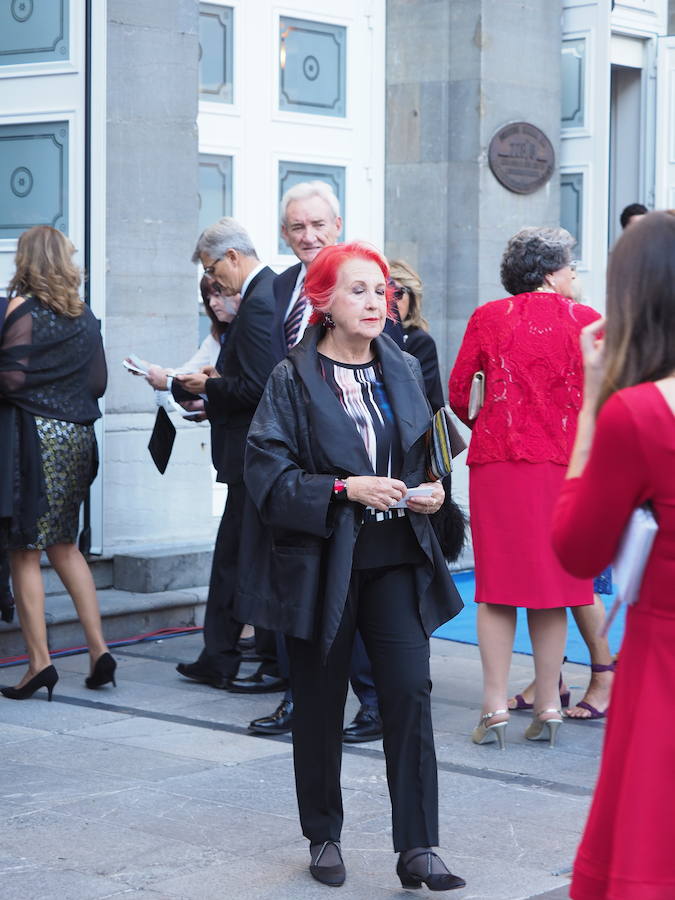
292 92
584 152
42 99
52 142
665 149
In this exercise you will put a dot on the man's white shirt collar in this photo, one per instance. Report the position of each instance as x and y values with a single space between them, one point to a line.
251 275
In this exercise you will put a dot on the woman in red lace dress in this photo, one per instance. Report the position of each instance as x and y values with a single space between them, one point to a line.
528 347
624 460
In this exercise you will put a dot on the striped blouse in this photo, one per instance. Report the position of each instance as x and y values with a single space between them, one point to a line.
362 394
386 538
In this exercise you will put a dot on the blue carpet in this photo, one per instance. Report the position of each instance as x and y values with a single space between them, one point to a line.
463 627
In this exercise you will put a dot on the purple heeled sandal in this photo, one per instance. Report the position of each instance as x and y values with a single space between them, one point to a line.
583 704
521 702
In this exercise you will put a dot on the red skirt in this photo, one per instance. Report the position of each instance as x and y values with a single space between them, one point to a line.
511 506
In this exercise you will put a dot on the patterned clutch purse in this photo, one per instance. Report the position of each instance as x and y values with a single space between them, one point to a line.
443 442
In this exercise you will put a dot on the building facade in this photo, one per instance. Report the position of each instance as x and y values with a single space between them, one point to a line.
132 125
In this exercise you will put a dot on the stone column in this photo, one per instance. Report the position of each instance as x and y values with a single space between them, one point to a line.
456 72
151 304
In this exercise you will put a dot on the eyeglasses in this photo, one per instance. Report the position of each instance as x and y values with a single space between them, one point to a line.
211 270
574 265
398 290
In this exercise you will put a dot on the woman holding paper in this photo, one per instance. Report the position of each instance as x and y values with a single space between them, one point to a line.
52 373
527 348
623 457
336 443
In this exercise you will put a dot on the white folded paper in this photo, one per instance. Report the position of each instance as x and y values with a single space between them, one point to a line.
631 559
410 494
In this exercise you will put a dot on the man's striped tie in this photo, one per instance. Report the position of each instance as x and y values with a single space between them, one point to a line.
292 323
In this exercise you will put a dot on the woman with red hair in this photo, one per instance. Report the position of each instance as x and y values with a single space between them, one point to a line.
335 446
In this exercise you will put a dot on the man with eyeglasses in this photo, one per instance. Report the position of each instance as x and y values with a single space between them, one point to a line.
232 394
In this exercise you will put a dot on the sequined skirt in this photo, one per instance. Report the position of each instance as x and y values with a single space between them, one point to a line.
68 452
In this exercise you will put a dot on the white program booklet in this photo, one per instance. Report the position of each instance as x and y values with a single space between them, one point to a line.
413 492
135 364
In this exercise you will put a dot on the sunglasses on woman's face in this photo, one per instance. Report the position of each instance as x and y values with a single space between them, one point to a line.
397 290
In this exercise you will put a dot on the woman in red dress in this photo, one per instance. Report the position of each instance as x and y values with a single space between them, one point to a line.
527 346
623 460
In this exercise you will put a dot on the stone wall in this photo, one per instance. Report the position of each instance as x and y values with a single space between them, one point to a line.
457 70
151 304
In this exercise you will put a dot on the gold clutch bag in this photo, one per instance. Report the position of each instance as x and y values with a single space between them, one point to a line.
476 394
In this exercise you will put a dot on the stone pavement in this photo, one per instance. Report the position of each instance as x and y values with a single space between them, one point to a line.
155 788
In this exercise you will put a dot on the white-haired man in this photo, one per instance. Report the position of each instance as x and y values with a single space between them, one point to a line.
310 221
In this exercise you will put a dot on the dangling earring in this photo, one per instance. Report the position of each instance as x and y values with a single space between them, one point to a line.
328 320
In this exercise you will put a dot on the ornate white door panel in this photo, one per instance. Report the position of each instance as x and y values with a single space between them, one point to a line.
584 162
665 147
290 93
42 97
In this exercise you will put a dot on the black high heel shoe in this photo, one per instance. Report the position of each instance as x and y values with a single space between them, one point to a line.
46 678
435 881
104 671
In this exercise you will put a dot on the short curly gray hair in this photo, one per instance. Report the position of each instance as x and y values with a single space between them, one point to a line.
533 253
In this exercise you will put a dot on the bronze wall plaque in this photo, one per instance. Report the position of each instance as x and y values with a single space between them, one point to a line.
521 157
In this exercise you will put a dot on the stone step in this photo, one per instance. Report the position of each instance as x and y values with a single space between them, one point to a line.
125 614
145 570
148 570
101 568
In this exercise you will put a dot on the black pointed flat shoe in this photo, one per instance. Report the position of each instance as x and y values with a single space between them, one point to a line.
435 881
333 876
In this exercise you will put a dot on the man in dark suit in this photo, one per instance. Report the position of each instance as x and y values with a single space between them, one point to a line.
228 256
310 221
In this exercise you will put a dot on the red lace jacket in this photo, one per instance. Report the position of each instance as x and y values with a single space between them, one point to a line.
528 347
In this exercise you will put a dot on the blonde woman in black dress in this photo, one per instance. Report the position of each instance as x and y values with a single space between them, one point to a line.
52 372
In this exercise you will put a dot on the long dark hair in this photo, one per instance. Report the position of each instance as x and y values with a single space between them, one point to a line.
207 288
640 333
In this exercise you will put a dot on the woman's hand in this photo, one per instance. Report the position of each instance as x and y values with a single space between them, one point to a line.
156 377
593 353
430 504
376 491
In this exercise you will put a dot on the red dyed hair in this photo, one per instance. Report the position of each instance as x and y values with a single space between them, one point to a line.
322 276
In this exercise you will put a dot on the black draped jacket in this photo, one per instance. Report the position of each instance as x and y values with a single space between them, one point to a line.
297 544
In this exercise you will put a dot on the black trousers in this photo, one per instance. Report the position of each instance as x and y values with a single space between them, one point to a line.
383 604
360 671
221 629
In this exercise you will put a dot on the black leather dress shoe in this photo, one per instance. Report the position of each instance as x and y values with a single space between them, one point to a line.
258 683
366 726
280 722
197 672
